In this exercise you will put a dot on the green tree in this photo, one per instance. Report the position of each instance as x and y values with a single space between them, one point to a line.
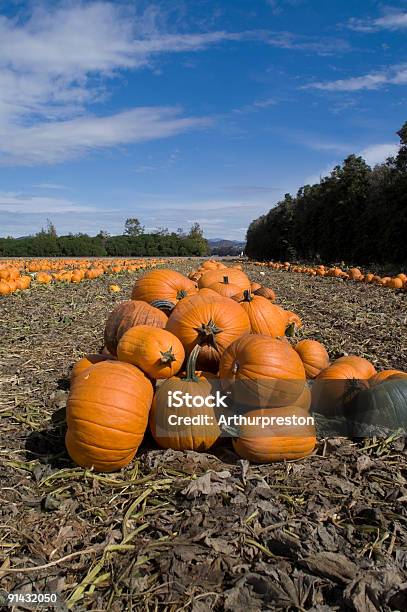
133 227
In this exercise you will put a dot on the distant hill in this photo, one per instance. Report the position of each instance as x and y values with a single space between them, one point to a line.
220 246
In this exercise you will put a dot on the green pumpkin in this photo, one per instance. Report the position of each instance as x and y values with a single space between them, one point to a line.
380 410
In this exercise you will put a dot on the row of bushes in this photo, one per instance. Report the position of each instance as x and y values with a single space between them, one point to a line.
356 214
82 245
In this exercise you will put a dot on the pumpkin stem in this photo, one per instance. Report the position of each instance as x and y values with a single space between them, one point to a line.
164 305
226 280
247 296
167 356
235 367
191 364
181 294
290 330
207 333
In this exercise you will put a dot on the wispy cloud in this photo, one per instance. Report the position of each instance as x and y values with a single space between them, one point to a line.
57 186
323 46
11 202
52 142
394 75
54 64
392 19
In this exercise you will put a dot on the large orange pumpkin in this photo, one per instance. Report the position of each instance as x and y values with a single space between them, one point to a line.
211 322
185 434
314 356
265 318
107 415
291 435
235 276
262 371
130 314
155 351
163 288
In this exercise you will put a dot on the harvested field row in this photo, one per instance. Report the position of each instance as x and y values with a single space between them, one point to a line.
197 531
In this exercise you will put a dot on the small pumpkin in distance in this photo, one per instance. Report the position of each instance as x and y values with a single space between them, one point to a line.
107 415
314 356
157 352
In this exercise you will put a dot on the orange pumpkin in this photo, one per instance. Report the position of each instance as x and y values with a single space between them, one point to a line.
362 366
155 351
337 385
384 375
130 314
107 415
225 288
291 435
185 434
163 288
212 322
86 362
314 356
266 292
235 276
262 371
265 318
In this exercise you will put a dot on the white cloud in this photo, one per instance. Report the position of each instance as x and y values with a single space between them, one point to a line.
56 62
11 202
372 154
394 75
51 186
378 153
391 20
52 142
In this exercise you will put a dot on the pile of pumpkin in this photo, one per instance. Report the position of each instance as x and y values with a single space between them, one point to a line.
14 277
214 330
354 274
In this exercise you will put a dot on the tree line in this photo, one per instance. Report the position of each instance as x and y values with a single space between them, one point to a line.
134 243
357 214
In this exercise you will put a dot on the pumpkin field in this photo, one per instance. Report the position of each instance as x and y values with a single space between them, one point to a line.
104 506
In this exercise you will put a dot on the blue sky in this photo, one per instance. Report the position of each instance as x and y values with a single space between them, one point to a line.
189 110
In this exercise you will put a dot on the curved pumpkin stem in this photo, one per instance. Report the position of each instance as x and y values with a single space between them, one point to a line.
191 364
247 296
167 356
207 333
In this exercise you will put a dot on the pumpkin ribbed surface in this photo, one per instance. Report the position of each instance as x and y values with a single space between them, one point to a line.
107 415
266 371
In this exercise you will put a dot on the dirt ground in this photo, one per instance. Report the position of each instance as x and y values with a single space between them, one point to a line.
188 531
